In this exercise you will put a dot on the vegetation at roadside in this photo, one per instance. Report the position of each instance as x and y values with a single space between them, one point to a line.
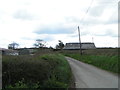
46 71
104 60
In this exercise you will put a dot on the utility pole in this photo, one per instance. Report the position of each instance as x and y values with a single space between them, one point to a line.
80 41
92 40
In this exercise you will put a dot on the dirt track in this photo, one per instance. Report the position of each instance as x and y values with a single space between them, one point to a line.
88 76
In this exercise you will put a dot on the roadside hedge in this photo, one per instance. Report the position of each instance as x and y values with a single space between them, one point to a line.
26 71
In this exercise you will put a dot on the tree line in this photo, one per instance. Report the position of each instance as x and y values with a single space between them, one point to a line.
39 43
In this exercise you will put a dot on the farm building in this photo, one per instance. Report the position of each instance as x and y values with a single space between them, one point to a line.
75 46
8 52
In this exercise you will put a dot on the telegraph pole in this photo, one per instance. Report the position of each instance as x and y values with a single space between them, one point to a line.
92 40
80 41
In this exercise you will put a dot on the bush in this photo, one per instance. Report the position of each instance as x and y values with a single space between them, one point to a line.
15 68
36 71
60 65
53 83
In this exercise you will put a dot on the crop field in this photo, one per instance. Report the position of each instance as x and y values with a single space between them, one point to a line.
37 71
103 58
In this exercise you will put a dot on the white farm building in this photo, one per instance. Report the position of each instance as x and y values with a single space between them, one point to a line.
75 46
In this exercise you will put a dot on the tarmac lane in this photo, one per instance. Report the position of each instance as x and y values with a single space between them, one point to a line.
88 76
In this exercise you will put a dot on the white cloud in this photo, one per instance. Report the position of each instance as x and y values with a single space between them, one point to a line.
19 19
106 41
22 14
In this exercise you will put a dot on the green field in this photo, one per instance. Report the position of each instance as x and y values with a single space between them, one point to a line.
103 58
46 71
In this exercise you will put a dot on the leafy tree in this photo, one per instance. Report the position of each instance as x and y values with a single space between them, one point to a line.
51 47
13 45
39 43
57 47
60 45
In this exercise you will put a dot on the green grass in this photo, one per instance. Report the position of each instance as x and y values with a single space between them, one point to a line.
46 71
106 62
61 74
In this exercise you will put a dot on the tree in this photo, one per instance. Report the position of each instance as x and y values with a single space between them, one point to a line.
60 45
13 45
51 47
39 43
57 47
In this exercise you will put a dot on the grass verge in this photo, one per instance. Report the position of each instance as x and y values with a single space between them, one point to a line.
109 63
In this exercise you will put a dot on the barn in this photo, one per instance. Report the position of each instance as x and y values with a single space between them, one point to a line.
75 46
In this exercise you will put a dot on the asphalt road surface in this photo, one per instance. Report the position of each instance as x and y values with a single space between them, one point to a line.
88 76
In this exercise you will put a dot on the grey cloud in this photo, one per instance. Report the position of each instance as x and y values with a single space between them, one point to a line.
82 33
86 22
111 33
23 14
92 21
112 21
54 30
107 33
114 18
97 11
48 38
95 21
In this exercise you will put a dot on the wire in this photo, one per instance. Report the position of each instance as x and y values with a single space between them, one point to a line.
117 1
87 11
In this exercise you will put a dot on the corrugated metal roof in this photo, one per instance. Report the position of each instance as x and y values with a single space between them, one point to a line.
86 45
8 50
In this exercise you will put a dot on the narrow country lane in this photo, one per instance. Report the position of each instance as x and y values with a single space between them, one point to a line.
88 76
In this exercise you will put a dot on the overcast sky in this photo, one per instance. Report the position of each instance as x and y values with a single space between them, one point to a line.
24 21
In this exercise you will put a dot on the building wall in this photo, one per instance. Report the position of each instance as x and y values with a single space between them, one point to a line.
24 52
88 46
9 52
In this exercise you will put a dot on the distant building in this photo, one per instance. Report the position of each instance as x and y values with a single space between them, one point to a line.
8 52
31 51
24 52
75 46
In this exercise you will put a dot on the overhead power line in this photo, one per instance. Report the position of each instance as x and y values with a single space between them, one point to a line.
87 11
82 21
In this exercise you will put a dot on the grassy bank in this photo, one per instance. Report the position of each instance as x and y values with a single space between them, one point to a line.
46 71
107 62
